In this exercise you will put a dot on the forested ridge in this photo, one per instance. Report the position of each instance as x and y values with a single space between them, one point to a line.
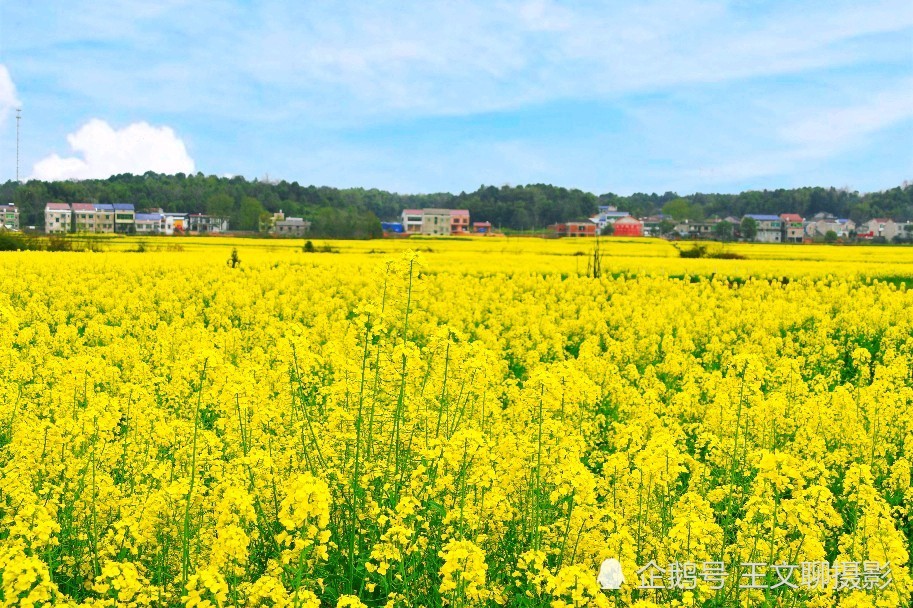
356 211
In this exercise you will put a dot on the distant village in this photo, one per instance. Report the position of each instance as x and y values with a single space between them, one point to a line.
122 218
784 228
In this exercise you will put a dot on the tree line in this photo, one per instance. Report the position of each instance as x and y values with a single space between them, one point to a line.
357 212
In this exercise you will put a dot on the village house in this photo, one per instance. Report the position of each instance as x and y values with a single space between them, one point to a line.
206 224
58 218
481 227
148 223
292 226
769 227
459 221
435 221
103 218
884 228
653 224
124 217
173 223
791 228
412 221
822 223
9 217
574 229
628 226
695 230
608 214
83 217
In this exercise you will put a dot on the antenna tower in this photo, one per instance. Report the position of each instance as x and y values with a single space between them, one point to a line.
18 118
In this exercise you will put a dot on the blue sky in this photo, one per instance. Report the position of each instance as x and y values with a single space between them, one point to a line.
648 96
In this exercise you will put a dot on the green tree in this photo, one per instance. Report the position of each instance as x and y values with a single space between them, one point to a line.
748 228
723 231
666 227
608 229
249 214
830 237
220 205
678 209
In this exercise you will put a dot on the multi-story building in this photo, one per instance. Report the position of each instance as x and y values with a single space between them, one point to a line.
412 221
148 223
9 217
436 221
124 218
292 226
791 228
58 218
104 218
769 227
206 224
83 218
459 221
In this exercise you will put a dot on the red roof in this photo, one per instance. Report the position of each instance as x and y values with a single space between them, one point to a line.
83 207
459 212
57 207
791 217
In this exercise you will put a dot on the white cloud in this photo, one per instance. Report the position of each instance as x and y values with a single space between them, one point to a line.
102 151
830 130
8 99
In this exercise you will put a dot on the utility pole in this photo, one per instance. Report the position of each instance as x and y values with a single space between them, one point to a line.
18 118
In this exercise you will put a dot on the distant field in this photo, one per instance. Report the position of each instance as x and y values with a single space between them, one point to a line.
568 256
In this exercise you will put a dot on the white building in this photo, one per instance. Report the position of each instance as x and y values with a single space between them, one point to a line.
173 223
412 221
206 224
291 226
58 218
149 223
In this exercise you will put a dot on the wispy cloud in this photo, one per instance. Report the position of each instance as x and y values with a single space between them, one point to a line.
829 130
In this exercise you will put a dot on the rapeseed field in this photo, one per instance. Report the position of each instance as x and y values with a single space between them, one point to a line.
455 423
